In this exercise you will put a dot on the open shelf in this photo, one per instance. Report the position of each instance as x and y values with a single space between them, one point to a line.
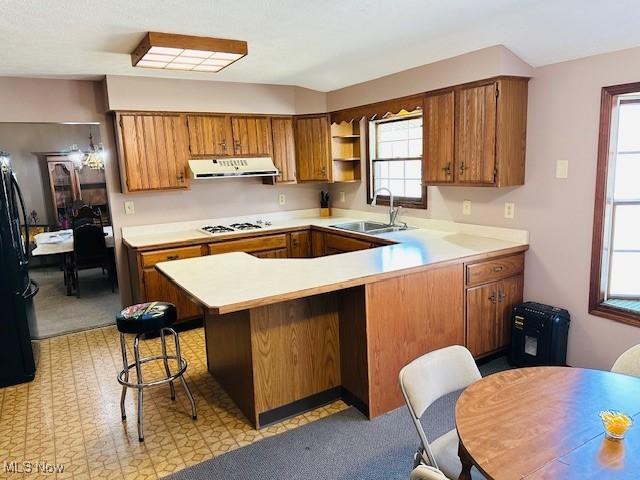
346 151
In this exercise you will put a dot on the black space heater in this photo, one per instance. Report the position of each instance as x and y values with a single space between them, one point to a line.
538 335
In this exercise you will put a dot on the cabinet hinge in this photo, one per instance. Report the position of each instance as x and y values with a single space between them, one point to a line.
120 122
495 174
497 91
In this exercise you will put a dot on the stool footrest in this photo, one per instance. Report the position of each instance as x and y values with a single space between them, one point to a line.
162 381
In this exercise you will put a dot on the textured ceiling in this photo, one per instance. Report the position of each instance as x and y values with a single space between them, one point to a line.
319 44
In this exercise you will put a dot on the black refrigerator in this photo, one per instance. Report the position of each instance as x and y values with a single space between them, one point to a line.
17 290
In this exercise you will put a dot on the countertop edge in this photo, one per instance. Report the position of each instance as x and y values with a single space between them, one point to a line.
295 294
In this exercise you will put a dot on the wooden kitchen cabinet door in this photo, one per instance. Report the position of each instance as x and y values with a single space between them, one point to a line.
439 138
284 149
210 135
475 134
300 244
158 288
510 293
277 253
313 148
483 331
153 151
251 135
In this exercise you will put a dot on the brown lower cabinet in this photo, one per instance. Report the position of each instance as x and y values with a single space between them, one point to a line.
489 304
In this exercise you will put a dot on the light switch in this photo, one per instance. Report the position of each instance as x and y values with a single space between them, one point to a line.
562 169
466 207
129 209
509 209
343 197
282 199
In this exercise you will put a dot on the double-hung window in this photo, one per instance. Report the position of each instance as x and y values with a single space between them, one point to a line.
615 268
395 150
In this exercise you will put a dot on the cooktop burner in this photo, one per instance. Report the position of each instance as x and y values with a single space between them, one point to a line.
216 229
244 226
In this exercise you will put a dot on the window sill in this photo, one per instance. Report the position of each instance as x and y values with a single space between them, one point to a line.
618 314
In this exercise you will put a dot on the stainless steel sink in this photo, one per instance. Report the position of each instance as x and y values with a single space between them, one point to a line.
365 226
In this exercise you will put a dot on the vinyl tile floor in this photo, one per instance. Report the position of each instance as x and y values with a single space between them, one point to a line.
69 416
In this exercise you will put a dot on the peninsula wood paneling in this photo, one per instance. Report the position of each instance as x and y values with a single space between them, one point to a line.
353 344
296 350
438 137
407 317
229 359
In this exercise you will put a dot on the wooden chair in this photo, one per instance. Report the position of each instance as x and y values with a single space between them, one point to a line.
90 251
629 362
425 380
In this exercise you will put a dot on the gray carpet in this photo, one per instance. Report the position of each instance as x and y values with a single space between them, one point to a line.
344 446
57 314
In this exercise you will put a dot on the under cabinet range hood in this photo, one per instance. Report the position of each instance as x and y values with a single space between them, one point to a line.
232 167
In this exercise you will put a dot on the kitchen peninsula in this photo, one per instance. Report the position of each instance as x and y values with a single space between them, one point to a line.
302 326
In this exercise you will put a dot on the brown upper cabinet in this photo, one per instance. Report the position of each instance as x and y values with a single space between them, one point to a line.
284 149
210 135
251 135
475 134
153 151
313 148
438 137
227 135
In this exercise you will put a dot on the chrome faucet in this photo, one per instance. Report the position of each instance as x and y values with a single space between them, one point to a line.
393 211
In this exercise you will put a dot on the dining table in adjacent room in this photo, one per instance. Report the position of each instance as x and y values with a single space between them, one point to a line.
543 423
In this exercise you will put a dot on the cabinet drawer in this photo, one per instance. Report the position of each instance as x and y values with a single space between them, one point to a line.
344 244
256 244
494 269
149 259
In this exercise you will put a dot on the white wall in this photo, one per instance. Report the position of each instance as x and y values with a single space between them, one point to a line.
563 117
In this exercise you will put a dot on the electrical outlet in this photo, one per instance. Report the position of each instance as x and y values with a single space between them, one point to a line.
282 199
466 207
343 197
129 209
509 209
562 169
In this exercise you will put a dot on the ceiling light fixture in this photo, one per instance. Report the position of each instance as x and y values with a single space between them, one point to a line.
188 53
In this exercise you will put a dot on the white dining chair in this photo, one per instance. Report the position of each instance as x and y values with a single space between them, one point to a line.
424 472
425 380
629 362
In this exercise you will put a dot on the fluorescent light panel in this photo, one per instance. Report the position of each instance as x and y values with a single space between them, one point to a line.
161 50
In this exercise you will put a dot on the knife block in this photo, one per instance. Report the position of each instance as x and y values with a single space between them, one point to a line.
325 212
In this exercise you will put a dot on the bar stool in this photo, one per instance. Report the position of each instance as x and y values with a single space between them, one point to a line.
146 318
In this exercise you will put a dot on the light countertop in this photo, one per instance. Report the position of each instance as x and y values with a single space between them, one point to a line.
236 281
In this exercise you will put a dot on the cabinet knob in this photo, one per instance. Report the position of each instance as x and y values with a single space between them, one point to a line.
462 167
447 169
223 145
501 296
173 257
180 177
493 297
498 268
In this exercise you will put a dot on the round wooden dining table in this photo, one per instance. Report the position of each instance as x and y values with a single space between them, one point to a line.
543 423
